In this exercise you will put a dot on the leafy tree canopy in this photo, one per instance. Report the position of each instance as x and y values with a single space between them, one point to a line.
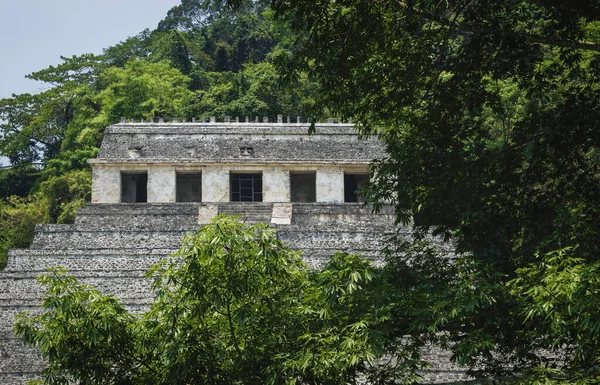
487 108
141 90
488 111
203 59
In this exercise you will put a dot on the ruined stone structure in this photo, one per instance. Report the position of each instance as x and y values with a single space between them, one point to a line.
223 162
153 182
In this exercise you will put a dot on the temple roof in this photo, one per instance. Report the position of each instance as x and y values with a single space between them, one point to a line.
236 143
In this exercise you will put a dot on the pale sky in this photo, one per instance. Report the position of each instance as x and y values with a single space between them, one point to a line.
35 33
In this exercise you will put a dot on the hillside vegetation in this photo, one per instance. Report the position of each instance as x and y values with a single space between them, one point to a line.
489 111
203 59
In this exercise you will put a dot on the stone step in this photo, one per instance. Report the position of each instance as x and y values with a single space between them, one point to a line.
80 274
76 237
349 216
34 303
25 291
34 253
339 209
138 216
264 206
337 227
342 241
138 209
130 250
248 212
7 318
18 363
8 315
244 211
345 221
61 228
171 216
84 259
142 224
249 215
18 378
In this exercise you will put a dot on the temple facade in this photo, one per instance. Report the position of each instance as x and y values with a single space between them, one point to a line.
231 162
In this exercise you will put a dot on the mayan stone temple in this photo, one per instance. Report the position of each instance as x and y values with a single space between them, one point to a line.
155 181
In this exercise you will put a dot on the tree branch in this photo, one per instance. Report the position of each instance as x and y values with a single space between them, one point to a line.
536 39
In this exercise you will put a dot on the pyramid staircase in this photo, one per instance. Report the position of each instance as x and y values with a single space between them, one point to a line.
111 246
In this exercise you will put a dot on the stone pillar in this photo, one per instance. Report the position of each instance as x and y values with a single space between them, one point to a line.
276 185
215 184
330 185
106 185
161 184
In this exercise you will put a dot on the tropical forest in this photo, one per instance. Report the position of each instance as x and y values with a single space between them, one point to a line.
490 115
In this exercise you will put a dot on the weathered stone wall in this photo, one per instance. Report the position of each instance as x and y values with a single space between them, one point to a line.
106 185
276 184
216 149
221 142
330 185
161 184
215 184
111 246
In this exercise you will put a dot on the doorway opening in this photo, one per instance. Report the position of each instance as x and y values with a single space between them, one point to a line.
245 187
303 186
134 187
352 185
188 187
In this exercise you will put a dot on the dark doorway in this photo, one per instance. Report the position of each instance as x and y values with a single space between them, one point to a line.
353 183
245 187
134 187
303 186
189 187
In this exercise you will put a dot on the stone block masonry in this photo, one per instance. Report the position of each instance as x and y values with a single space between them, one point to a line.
111 246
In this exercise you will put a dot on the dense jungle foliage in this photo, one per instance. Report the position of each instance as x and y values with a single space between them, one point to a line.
489 111
203 59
